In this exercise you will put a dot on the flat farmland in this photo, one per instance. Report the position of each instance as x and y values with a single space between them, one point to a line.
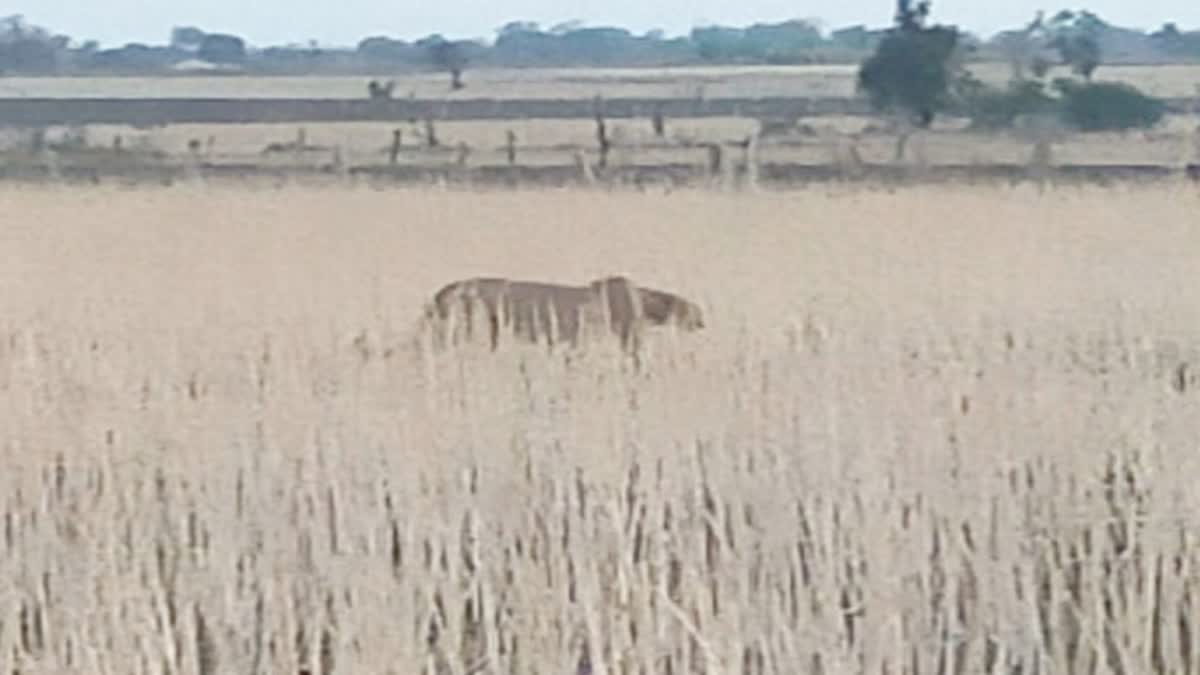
542 142
826 145
1168 81
826 139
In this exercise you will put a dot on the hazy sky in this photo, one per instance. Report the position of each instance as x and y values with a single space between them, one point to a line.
344 22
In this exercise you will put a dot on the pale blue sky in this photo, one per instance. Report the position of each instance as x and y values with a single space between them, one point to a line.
344 22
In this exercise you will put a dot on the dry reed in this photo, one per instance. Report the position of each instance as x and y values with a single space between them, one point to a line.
926 431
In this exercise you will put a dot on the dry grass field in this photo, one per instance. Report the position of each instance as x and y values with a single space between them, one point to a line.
551 83
925 431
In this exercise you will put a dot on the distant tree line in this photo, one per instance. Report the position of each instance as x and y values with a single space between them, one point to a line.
27 49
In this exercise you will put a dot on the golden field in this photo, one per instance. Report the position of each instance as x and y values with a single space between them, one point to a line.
926 430
552 83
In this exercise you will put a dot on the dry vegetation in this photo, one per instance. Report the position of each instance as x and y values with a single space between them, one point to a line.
926 431
539 143
549 142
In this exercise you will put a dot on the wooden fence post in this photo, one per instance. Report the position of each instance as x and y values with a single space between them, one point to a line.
394 151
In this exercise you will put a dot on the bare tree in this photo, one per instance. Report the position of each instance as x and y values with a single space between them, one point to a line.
448 56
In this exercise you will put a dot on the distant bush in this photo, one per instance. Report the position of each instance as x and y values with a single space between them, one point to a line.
1108 106
1086 106
223 49
991 108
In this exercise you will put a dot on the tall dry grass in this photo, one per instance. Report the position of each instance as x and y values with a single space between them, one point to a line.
926 431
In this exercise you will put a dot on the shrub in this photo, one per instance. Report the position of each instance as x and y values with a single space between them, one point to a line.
1086 106
223 49
1108 106
991 108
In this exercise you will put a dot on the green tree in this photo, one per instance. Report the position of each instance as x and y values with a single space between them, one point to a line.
29 49
188 38
718 43
448 56
1080 52
222 49
1076 38
914 69
1170 40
